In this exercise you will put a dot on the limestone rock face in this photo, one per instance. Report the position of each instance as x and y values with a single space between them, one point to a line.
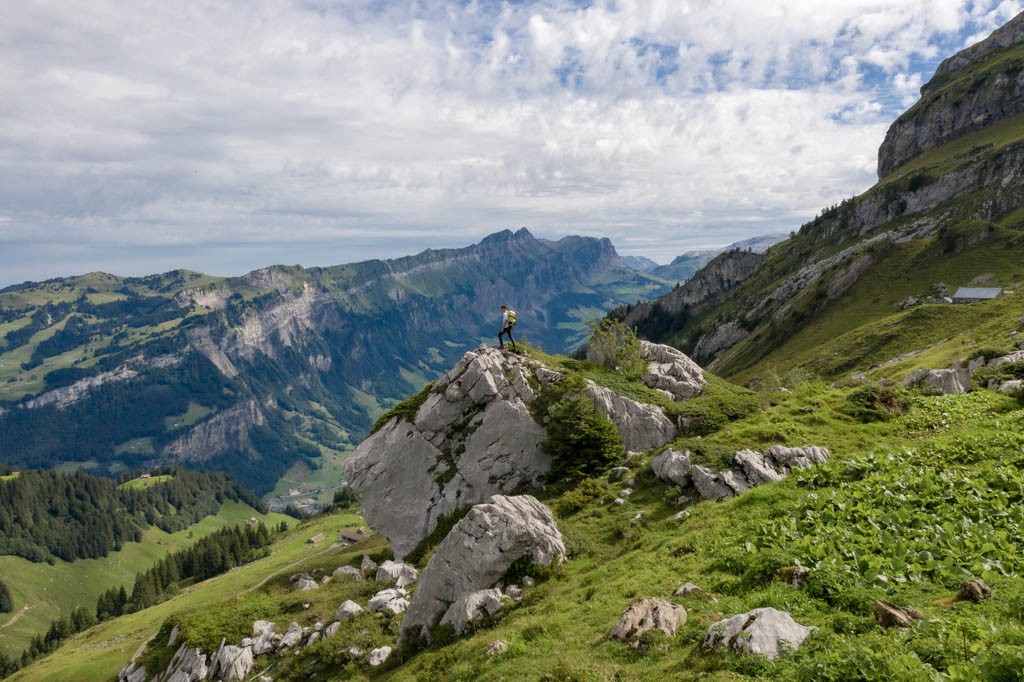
642 426
472 607
477 553
671 371
767 632
473 437
187 665
133 672
231 662
940 381
672 466
646 615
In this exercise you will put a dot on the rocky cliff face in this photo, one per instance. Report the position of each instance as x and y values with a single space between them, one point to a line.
950 107
474 435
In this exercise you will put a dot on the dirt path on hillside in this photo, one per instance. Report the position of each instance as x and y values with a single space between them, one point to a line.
14 619
281 570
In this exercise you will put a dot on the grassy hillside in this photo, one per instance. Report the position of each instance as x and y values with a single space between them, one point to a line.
100 652
913 503
43 592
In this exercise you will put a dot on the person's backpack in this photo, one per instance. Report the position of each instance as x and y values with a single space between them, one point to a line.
511 318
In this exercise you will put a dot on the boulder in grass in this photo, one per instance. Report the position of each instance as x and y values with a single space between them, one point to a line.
766 632
348 610
379 655
974 591
646 615
889 615
472 607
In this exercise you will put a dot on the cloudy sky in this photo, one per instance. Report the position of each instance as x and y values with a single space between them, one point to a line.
138 136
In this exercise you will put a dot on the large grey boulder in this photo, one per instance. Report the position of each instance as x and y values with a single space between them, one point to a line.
477 553
940 381
642 426
670 370
473 437
766 631
646 615
672 466
472 607
231 662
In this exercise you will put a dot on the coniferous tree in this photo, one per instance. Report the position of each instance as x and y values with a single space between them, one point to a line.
6 602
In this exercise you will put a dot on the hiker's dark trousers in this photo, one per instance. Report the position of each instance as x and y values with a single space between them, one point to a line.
506 330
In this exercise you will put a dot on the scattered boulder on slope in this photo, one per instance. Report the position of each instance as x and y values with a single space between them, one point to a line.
974 591
391 601
889 615
767 632
673 466
940 381
646 615
477 553
671 371
378 656
348 609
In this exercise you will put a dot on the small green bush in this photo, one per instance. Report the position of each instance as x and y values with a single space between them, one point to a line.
875 402
615 346
587 490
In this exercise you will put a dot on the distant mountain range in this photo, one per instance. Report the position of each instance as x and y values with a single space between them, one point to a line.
684 266
283 367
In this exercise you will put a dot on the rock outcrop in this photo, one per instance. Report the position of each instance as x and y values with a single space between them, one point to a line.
477 553
940 381
669 370
646 615
750 468
946 111
642 426
767 632
225 431
474 436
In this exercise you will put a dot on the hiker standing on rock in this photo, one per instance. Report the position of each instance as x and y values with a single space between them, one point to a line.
508 320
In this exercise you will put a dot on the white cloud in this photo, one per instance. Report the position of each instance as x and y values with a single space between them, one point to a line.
393 126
